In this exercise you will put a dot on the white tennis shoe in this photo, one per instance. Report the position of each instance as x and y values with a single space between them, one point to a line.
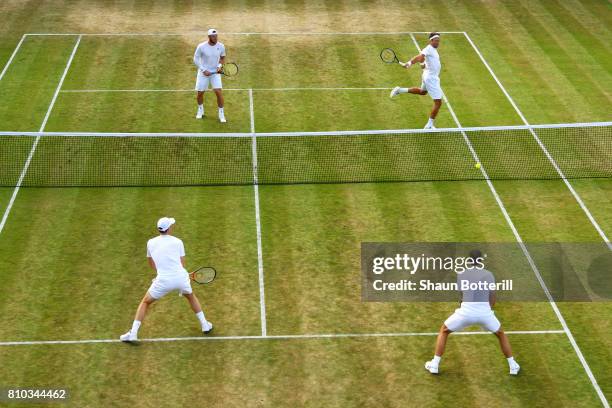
222 117
394 92
207 327
128 337
428 126
515 368
200 113
431 367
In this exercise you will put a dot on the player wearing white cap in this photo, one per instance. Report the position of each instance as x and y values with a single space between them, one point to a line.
431 77
476 309
166 255
209 57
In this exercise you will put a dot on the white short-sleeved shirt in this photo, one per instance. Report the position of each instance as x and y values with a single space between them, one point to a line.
166 252
207 56
475 302
432 61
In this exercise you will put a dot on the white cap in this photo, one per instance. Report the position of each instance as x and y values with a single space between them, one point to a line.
164 223
212 31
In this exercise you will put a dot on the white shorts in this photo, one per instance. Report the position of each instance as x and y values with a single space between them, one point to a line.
431 84
165 284
459 320
203 82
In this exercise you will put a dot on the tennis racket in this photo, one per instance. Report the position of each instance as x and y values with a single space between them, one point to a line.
388 56
203 275
229 70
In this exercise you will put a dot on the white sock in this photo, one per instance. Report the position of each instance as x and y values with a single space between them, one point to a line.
200 107
436 360
220 111
201 318
430 122
135 326
402 90
511 361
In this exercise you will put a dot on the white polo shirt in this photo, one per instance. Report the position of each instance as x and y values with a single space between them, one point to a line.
166 252
432 61
207 56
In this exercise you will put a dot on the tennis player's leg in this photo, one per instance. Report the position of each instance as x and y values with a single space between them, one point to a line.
432 84
200 99
146 301
433 365
504 343
492 324
455 322
422 90
414 90
218 89
158 289
202 83
184 287
141 312
437 103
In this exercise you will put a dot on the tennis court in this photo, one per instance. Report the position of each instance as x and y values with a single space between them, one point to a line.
92 156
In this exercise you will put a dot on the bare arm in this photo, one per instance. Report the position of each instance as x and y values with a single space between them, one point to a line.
492 299
152 263
417 58
183 262
420 58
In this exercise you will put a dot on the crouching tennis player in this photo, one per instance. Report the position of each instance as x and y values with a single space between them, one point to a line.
475 309
166 255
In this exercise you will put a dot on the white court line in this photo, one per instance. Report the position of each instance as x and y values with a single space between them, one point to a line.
203 33
273 337
262 297
35 144
523 247
10 60
252 111
542 146
59 86
234 89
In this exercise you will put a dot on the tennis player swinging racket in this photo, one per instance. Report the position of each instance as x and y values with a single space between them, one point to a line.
431 75
166 255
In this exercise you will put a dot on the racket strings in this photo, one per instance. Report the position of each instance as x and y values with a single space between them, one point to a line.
230 69
205 275
388 55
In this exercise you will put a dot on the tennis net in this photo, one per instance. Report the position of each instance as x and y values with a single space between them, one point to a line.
51 159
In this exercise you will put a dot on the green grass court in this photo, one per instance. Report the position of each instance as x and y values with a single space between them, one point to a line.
290 326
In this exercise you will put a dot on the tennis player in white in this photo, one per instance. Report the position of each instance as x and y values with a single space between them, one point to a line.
209 57
431 77
166 255
475 309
